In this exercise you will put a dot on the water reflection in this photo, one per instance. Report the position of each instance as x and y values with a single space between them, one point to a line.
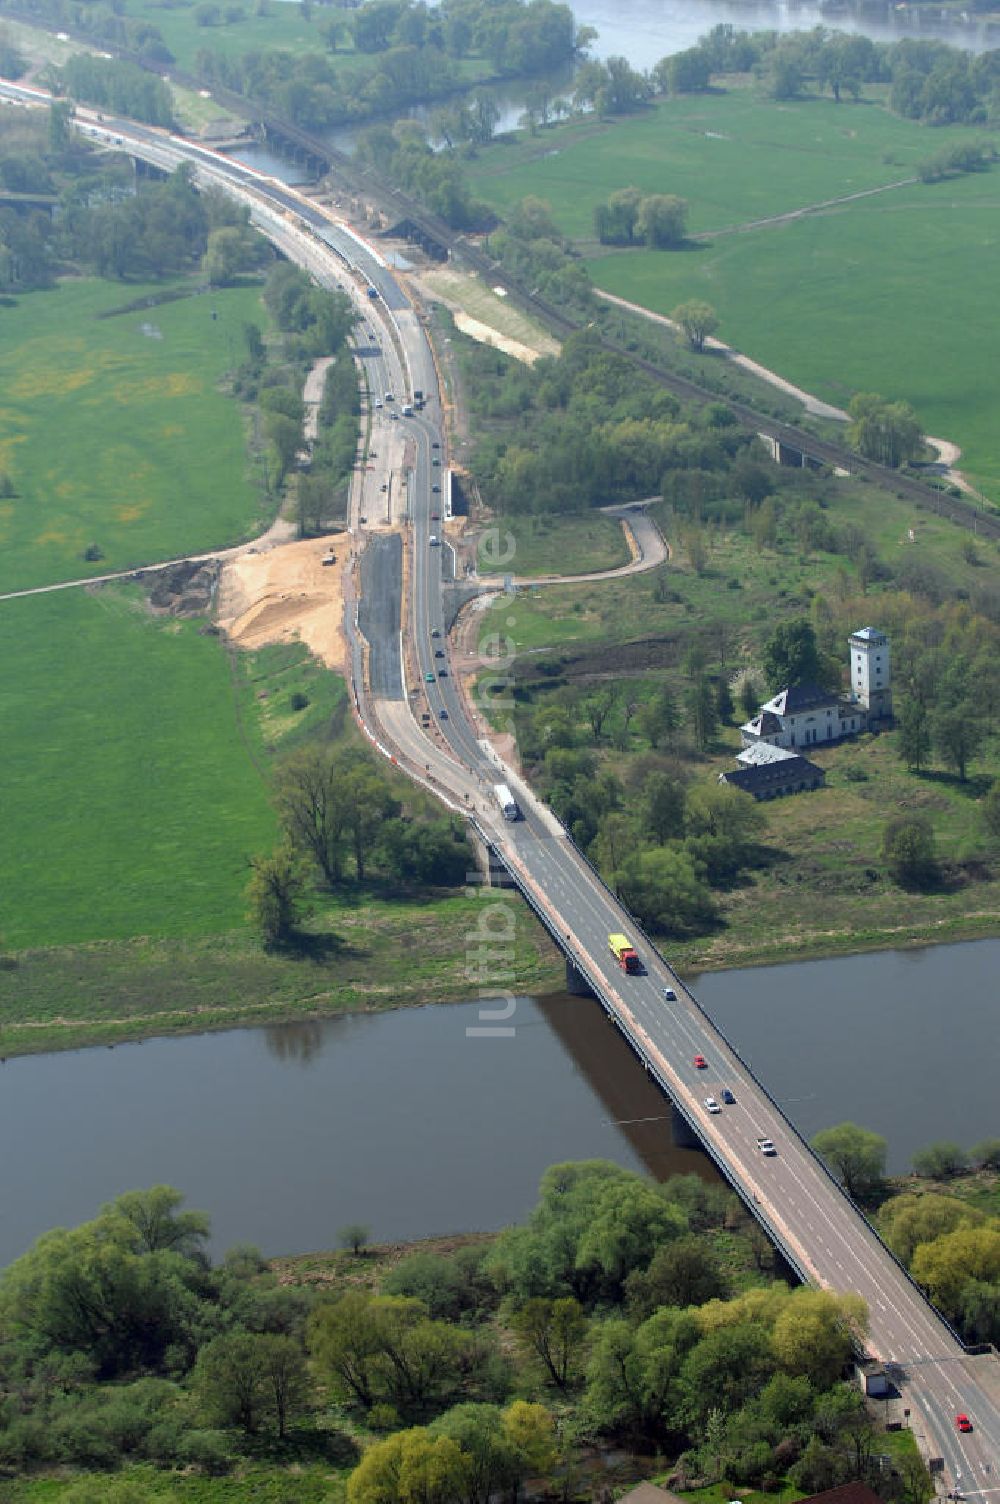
286 1133
301 1041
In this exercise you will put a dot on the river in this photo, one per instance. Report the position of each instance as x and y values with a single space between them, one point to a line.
406 1122
643 31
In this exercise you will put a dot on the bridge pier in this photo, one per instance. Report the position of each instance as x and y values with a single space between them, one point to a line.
494 873
682 1135
576 983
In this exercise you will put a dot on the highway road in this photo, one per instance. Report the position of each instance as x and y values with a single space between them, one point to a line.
821 1233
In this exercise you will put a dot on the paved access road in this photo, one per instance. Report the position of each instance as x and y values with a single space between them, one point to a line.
822 1234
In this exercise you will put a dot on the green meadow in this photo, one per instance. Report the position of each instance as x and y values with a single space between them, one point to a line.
117 434
130 801
260 29
734 157
889 294
566 544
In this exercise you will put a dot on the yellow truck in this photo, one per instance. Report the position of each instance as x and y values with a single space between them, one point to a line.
621 948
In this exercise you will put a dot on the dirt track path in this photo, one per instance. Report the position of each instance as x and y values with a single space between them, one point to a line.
948 453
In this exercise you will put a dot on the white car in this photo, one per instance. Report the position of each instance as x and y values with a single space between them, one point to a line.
433 540
712 1105
766 1146
670 994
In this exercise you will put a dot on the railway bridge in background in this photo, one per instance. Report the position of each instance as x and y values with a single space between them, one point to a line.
824 1237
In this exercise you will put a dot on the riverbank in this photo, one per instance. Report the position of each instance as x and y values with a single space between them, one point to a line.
368 957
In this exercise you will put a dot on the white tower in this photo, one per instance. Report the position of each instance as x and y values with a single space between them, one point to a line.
871 676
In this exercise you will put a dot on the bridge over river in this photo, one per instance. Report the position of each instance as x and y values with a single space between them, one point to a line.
822 1234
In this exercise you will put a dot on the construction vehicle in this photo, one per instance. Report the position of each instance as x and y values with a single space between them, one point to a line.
621 948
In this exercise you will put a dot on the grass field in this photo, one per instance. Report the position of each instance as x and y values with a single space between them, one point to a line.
733 156
131 803
370 954
117 437
573 544
315 1483
136 787
886 295
282 25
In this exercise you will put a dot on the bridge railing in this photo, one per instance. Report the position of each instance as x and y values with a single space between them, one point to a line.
730 1175
595 982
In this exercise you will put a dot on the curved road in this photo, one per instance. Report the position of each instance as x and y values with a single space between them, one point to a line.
822 1234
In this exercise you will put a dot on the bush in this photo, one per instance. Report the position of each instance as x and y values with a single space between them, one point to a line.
941 1160
299 701
909 851
207 1450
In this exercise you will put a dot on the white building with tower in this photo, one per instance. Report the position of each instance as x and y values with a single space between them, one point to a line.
803 716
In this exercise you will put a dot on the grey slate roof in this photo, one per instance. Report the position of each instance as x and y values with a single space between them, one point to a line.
771 776
799 697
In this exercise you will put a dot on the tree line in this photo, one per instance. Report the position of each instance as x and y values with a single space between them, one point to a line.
950 1246
929 80
345 822
416 53
103 26
585 428
104 223
623 1312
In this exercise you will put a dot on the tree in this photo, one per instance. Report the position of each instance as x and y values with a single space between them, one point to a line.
986 1154
749 695
60 115
856 1156
662 220
888 432
723 825
276 894
354 1235
312 807
411 1467
662 887
488 1461
285 1377
700 705
946 1266
725 1368
940 1160
815 1333
909 851
991 810
913 735
662 806
157 1223
909 1220
958 735
698 320
530 1432
370 803
657 717
682 1273
598 707
231 1379
231 249
554 1330
764 525
791 656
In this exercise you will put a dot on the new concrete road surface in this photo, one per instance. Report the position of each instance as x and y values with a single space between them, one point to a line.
823 1235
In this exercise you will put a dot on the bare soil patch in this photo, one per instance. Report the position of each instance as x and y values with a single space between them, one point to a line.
285 595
